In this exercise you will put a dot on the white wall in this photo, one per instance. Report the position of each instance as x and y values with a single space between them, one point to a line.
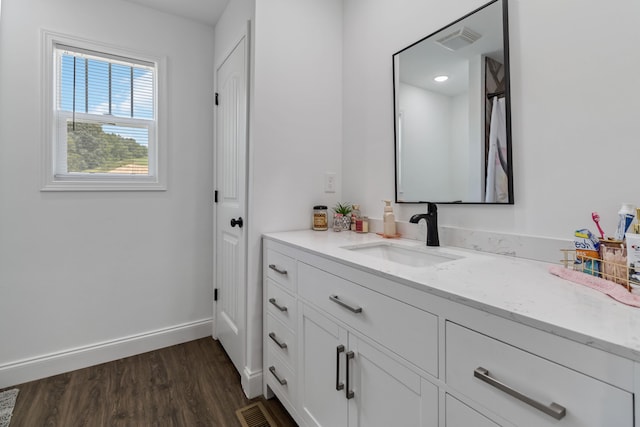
426 122
575 110
476 129
297 122
295 126
460 156
89 268
231 27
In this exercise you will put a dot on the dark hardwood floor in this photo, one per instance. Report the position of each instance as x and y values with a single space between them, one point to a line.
191 384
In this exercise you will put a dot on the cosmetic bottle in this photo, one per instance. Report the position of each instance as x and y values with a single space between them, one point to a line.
355 215
388 220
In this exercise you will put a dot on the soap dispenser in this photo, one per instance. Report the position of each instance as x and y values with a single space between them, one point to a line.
388 220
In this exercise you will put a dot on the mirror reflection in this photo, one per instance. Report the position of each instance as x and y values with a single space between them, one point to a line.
452 113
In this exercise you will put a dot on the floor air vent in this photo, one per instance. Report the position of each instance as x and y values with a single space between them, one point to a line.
255 415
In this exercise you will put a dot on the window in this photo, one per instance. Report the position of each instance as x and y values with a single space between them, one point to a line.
102 109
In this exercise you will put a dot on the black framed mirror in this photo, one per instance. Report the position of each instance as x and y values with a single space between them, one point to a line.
452 113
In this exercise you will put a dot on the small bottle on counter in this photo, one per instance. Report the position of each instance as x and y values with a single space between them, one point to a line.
355 214
320 218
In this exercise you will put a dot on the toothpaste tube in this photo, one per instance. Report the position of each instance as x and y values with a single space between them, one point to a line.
625 218
586 244
587 251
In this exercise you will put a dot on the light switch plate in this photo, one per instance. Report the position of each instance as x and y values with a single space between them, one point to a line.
329 182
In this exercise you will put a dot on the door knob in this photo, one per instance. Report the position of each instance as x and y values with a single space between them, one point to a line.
237 222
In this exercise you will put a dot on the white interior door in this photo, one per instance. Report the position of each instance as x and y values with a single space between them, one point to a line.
230 235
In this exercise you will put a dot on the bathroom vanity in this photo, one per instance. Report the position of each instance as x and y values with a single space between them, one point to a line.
365 331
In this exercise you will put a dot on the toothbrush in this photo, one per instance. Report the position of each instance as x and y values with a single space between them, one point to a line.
596 219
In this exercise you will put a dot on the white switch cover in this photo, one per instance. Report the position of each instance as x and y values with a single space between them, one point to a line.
330 182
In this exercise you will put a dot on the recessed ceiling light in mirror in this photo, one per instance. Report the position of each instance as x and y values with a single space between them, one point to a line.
441 79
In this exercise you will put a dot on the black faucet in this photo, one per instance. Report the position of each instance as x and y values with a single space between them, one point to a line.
432 223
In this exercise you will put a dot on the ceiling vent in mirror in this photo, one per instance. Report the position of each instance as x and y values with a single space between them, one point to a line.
458 39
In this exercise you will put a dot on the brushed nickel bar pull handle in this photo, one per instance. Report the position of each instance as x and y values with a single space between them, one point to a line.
276 269
349 393
279 307
272 335
282 381
339 385
556 411
337 300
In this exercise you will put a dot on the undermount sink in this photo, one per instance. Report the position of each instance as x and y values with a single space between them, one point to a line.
406 255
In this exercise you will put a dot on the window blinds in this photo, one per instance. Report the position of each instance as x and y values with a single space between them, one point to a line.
96 83
106 107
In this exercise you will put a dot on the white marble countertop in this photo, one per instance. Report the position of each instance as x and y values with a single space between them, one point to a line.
515 288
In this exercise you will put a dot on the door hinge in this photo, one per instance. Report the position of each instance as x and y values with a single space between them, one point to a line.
215 294
215 196
216 98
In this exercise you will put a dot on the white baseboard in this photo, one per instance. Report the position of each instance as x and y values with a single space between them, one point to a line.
25 370
251 383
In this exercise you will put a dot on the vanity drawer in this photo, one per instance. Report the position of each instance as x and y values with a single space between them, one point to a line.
281 305
281 269
278 372
473 360
409 332
280 340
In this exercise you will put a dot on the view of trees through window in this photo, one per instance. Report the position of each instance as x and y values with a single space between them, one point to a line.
92 150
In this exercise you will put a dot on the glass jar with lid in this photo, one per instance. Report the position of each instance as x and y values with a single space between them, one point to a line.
320 218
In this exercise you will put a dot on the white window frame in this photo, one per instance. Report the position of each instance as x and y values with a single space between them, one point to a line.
54 177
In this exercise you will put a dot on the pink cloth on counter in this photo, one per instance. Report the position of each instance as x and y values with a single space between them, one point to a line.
614 290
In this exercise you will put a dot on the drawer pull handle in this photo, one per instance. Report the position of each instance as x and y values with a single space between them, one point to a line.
349 393
337 300
279 307
282 381
272 335
339 385
556 411
276 269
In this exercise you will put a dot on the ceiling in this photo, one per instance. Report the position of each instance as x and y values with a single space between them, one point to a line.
204 11
420 63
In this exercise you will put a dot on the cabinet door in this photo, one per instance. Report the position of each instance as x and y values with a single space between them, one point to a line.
321 368
386 393
460 415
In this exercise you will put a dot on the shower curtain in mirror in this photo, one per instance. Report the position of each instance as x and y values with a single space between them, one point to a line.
497 188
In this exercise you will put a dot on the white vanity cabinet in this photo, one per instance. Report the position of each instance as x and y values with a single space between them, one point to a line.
375 315
353 368
366 349
345 380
